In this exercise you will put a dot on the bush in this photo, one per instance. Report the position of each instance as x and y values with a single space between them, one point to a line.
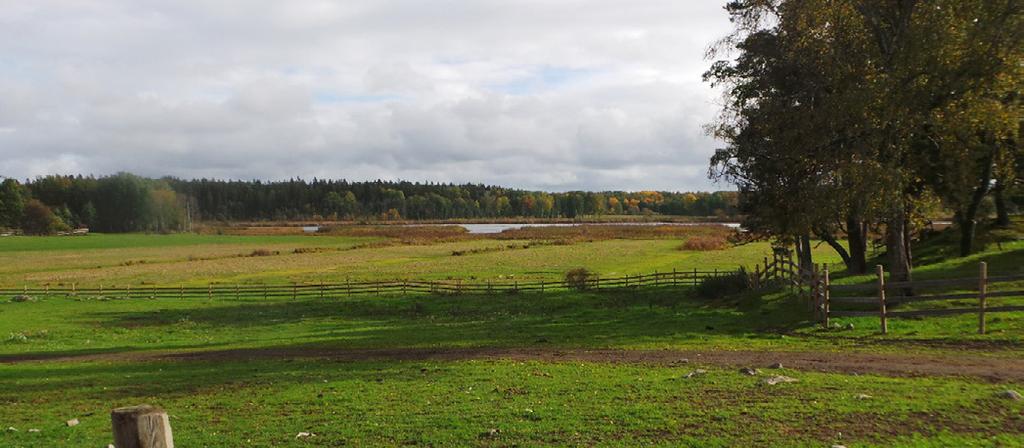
705 243
579 278
262 253
38 219
724 285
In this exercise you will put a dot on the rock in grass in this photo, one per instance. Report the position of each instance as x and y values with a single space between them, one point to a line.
749 371
304 435
779 379
22 298
777 365
12 429
33 430
1011 394
72 422
850 326
863 397
697 372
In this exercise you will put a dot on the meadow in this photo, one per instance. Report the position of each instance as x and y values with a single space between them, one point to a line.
656 366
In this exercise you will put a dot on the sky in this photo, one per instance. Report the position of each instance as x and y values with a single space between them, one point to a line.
550 95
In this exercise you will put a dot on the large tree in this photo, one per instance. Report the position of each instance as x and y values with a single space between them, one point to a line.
830 102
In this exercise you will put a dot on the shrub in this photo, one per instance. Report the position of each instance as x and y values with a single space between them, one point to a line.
724 285
261 253
705 243
38 219
579 278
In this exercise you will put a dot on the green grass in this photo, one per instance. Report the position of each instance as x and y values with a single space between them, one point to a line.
526 403
143 240
265 402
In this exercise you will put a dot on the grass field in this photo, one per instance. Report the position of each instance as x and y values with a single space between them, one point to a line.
195 259
566 368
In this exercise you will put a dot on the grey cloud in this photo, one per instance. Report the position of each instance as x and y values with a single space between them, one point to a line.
595 94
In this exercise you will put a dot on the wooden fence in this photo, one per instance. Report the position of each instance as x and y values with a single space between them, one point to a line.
826 300
880 296
674 278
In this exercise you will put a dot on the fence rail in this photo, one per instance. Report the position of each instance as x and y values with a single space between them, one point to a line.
814 284
888 294
674 278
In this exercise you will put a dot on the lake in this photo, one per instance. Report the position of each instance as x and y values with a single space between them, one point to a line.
498 228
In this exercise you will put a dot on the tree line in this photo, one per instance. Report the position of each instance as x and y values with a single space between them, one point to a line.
125 202
848 118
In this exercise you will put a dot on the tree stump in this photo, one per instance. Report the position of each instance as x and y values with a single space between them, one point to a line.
142 426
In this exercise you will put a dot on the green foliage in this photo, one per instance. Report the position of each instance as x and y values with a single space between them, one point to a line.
12 203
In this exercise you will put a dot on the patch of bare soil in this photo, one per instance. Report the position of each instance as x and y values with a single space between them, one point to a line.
908 365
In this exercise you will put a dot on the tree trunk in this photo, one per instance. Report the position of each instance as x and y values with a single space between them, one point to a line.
968 219
898 245
831 240
1002 214
803 250
857 239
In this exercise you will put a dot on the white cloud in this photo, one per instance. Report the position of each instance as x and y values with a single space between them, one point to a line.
598 94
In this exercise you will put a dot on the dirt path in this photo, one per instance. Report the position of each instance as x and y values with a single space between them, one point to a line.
989 369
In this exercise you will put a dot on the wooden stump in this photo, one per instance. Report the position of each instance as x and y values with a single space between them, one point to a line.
142 426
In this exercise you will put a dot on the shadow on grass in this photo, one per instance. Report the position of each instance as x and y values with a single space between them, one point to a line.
564 319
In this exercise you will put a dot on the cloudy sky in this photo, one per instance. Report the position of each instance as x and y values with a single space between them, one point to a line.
540 94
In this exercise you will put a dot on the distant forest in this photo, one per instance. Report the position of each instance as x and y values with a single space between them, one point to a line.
125 202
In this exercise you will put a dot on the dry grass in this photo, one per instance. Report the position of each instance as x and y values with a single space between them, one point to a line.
263 253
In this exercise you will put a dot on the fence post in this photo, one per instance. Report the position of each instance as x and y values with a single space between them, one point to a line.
881 298
675 277
236 291
757 276
74 289
141 427
694 276
129 294
181 292
789 270
815 291
264 291
295 290
982 292
209 291
542 286
826 296
767 274
321 289
655 278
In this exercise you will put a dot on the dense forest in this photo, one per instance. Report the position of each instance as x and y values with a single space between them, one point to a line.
125 202
849 119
